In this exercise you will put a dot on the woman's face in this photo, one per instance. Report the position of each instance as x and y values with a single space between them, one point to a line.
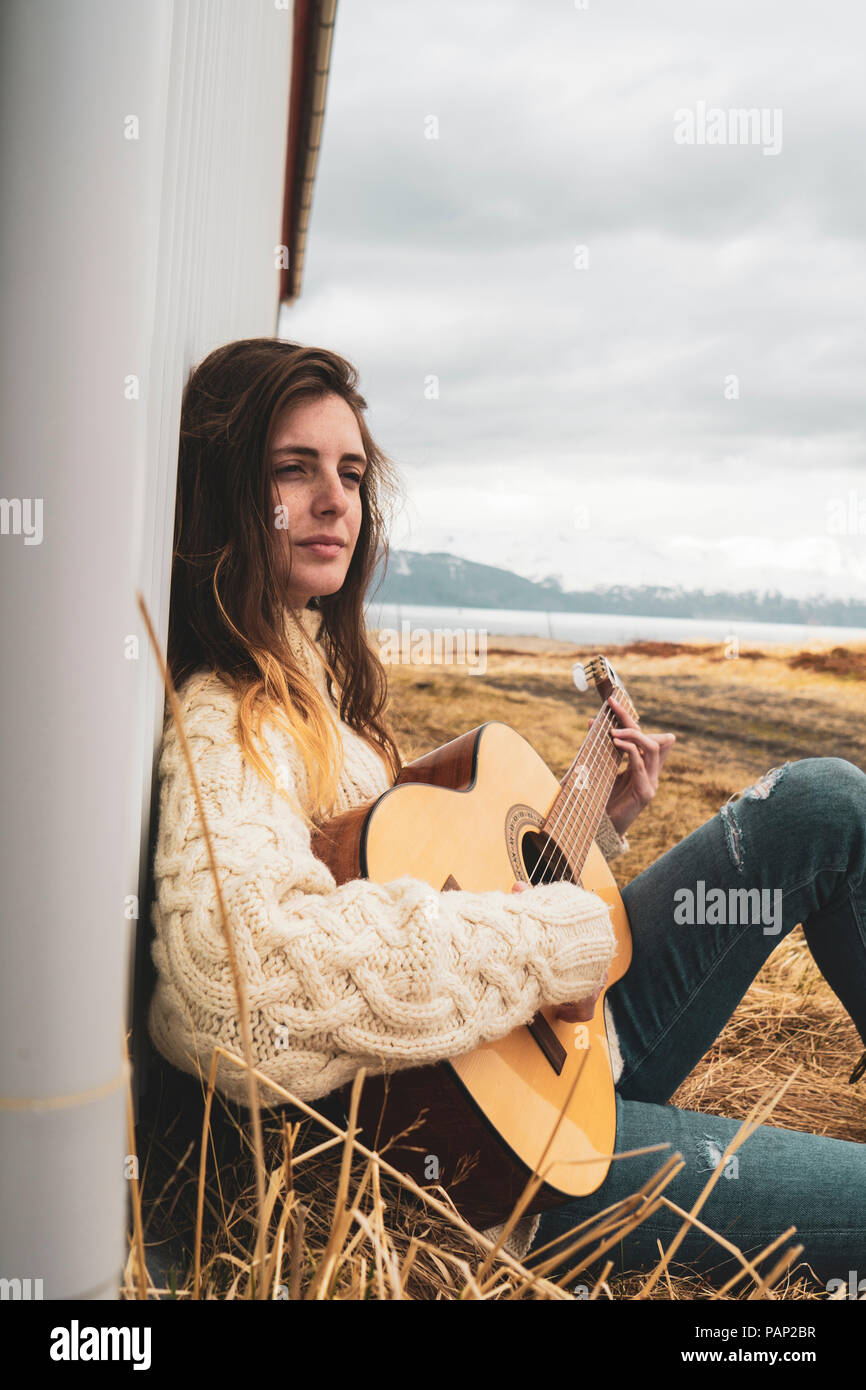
317 462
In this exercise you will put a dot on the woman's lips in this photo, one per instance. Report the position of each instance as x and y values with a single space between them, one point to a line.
327 552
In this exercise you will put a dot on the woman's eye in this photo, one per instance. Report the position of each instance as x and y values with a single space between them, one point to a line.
354 478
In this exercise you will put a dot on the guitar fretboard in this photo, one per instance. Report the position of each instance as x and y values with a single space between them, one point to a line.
575 815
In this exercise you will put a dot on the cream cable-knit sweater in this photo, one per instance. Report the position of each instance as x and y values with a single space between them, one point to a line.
364 974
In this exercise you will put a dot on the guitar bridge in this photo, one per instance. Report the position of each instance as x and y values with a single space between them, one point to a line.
548 1042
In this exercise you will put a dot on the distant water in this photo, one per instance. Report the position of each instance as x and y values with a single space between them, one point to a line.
600 629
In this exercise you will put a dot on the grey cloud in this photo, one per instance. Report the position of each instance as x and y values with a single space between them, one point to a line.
455 257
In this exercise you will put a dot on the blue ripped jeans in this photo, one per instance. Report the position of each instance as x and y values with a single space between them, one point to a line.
799 838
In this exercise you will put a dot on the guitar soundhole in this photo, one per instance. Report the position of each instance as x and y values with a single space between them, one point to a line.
543 860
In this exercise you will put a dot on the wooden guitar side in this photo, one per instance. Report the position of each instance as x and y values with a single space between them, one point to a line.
458 818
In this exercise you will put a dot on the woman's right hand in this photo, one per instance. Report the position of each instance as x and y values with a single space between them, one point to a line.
581 1011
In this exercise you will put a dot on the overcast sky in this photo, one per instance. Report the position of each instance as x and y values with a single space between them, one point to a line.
682 401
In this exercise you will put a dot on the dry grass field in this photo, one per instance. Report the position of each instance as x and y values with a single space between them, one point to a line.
340 1226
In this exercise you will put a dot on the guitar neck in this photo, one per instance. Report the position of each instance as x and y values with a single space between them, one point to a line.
573 819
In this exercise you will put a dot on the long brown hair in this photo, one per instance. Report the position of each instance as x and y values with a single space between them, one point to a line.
228 587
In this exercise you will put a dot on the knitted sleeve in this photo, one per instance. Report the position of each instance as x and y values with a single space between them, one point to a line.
608 839
338 977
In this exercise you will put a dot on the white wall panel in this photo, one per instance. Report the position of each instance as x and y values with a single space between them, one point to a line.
118 257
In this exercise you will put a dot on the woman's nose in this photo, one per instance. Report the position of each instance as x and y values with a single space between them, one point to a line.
329 495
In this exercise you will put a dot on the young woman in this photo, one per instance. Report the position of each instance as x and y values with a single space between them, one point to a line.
279 527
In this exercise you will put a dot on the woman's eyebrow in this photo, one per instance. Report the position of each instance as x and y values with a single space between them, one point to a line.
314 453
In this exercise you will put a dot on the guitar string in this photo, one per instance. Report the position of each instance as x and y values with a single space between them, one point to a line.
597 750
600 750
553 860
605 751
569 808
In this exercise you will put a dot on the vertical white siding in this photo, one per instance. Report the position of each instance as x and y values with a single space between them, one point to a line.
119 257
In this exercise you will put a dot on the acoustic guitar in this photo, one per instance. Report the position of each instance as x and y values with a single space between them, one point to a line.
478 813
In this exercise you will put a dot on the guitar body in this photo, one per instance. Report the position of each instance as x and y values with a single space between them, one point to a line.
468 816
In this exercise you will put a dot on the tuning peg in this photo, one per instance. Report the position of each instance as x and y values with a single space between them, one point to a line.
578 675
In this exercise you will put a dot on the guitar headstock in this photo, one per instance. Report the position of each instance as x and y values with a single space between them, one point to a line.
607 682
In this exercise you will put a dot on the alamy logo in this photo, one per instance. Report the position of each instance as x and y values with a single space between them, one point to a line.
738 907
437 646
21 1288
22 516
76 1343
735 126
854 1287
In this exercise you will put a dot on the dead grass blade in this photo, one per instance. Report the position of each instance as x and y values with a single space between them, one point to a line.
756 1118
138 1228
236 973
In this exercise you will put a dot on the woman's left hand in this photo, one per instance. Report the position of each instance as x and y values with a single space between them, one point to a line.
637 784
